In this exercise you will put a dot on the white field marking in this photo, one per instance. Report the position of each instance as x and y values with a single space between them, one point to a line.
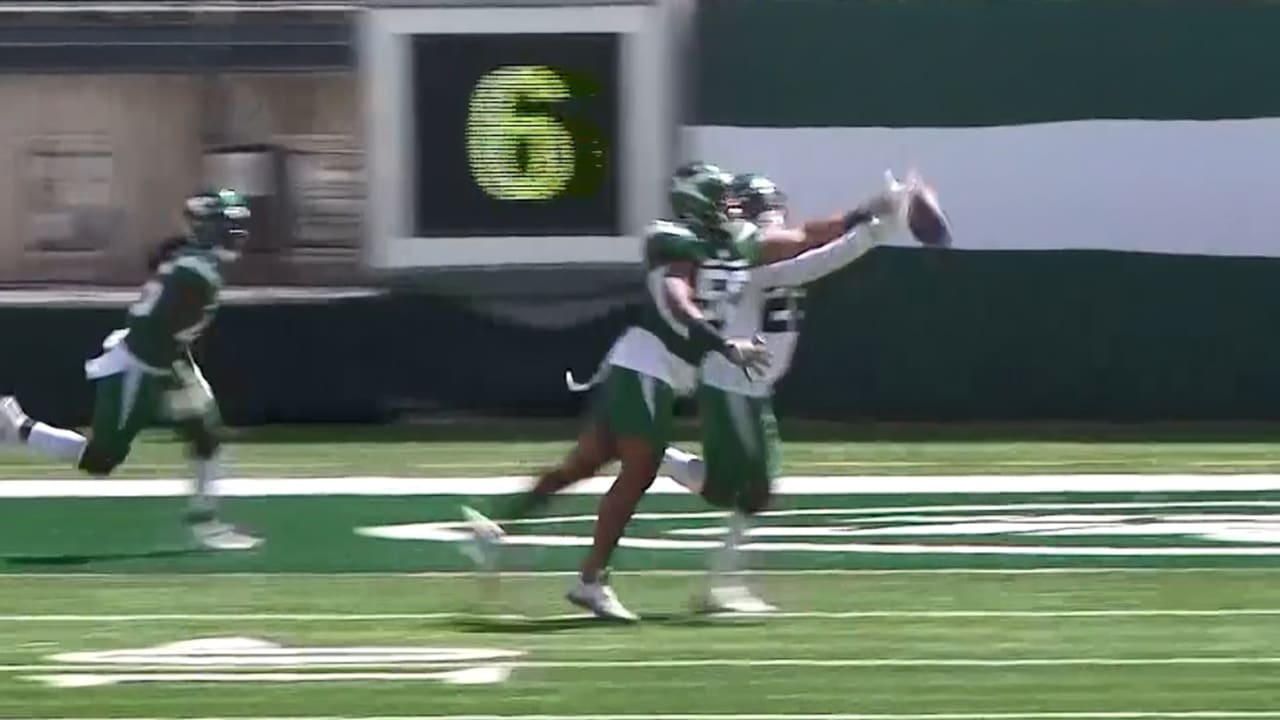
453 531
250 653
180 466
907 509
1086 715
733 662
477 464
479 675
875 463
202 7
1228 463
154 578
510 484
786 615
961 462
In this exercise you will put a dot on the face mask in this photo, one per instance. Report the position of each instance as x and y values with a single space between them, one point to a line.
771 218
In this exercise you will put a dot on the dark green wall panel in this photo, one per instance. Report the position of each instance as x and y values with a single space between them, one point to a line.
792 63
1041 335
901 335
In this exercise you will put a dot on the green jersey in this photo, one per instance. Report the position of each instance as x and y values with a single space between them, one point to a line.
721 257
176 305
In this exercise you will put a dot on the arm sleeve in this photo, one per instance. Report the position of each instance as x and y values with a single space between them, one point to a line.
818 262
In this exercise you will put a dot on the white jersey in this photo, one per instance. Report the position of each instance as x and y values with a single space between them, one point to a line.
640 350
772 306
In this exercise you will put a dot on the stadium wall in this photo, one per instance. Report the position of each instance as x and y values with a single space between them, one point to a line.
902 335
1115 245
1116 261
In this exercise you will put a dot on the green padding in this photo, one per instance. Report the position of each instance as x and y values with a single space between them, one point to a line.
903 334
898 63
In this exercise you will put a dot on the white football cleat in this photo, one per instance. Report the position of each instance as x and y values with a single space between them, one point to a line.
600 599
217 535
486 539
11 420
734 599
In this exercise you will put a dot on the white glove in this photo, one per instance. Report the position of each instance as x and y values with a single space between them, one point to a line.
191 398
114 339
894 220
890 206
750 355
879 231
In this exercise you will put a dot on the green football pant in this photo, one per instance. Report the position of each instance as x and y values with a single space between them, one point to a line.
128 401
632 404
742 452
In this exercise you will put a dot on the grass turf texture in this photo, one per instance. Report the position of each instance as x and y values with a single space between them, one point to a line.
893 644
1030 638
478 448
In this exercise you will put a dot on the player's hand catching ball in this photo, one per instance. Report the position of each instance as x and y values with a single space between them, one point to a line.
750 355
918 210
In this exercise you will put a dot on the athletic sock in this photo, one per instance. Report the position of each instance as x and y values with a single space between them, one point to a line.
727 557
57 443
203 501
685 468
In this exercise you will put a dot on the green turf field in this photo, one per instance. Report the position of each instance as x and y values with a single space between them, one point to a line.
481 448
972 587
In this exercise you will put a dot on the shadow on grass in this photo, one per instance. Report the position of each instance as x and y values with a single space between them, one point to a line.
505 624
70 559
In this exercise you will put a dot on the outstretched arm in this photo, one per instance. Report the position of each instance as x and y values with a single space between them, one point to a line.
785 243
812 264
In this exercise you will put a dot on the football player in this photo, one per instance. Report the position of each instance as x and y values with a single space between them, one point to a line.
696 267
146 370
740 443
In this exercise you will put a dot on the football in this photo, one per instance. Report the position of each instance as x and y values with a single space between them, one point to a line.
925 217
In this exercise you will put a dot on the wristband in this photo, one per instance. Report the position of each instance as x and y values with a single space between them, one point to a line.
705 338
854 218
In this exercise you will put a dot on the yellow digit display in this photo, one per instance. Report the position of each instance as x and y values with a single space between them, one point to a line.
514 153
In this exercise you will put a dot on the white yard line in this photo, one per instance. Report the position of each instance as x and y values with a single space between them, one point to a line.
179 466
799 615
986 462
952 462
142 578
791 485
1088 715
737 662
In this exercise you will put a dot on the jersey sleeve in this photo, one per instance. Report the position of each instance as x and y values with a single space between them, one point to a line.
816 263
667 242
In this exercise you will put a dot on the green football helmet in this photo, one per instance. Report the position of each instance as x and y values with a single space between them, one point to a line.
702 193
217 220
759 198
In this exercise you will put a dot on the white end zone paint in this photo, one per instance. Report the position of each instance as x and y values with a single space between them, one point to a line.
253 660
1047 715
252 652
511 484
1038 715
1209 529
467 676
